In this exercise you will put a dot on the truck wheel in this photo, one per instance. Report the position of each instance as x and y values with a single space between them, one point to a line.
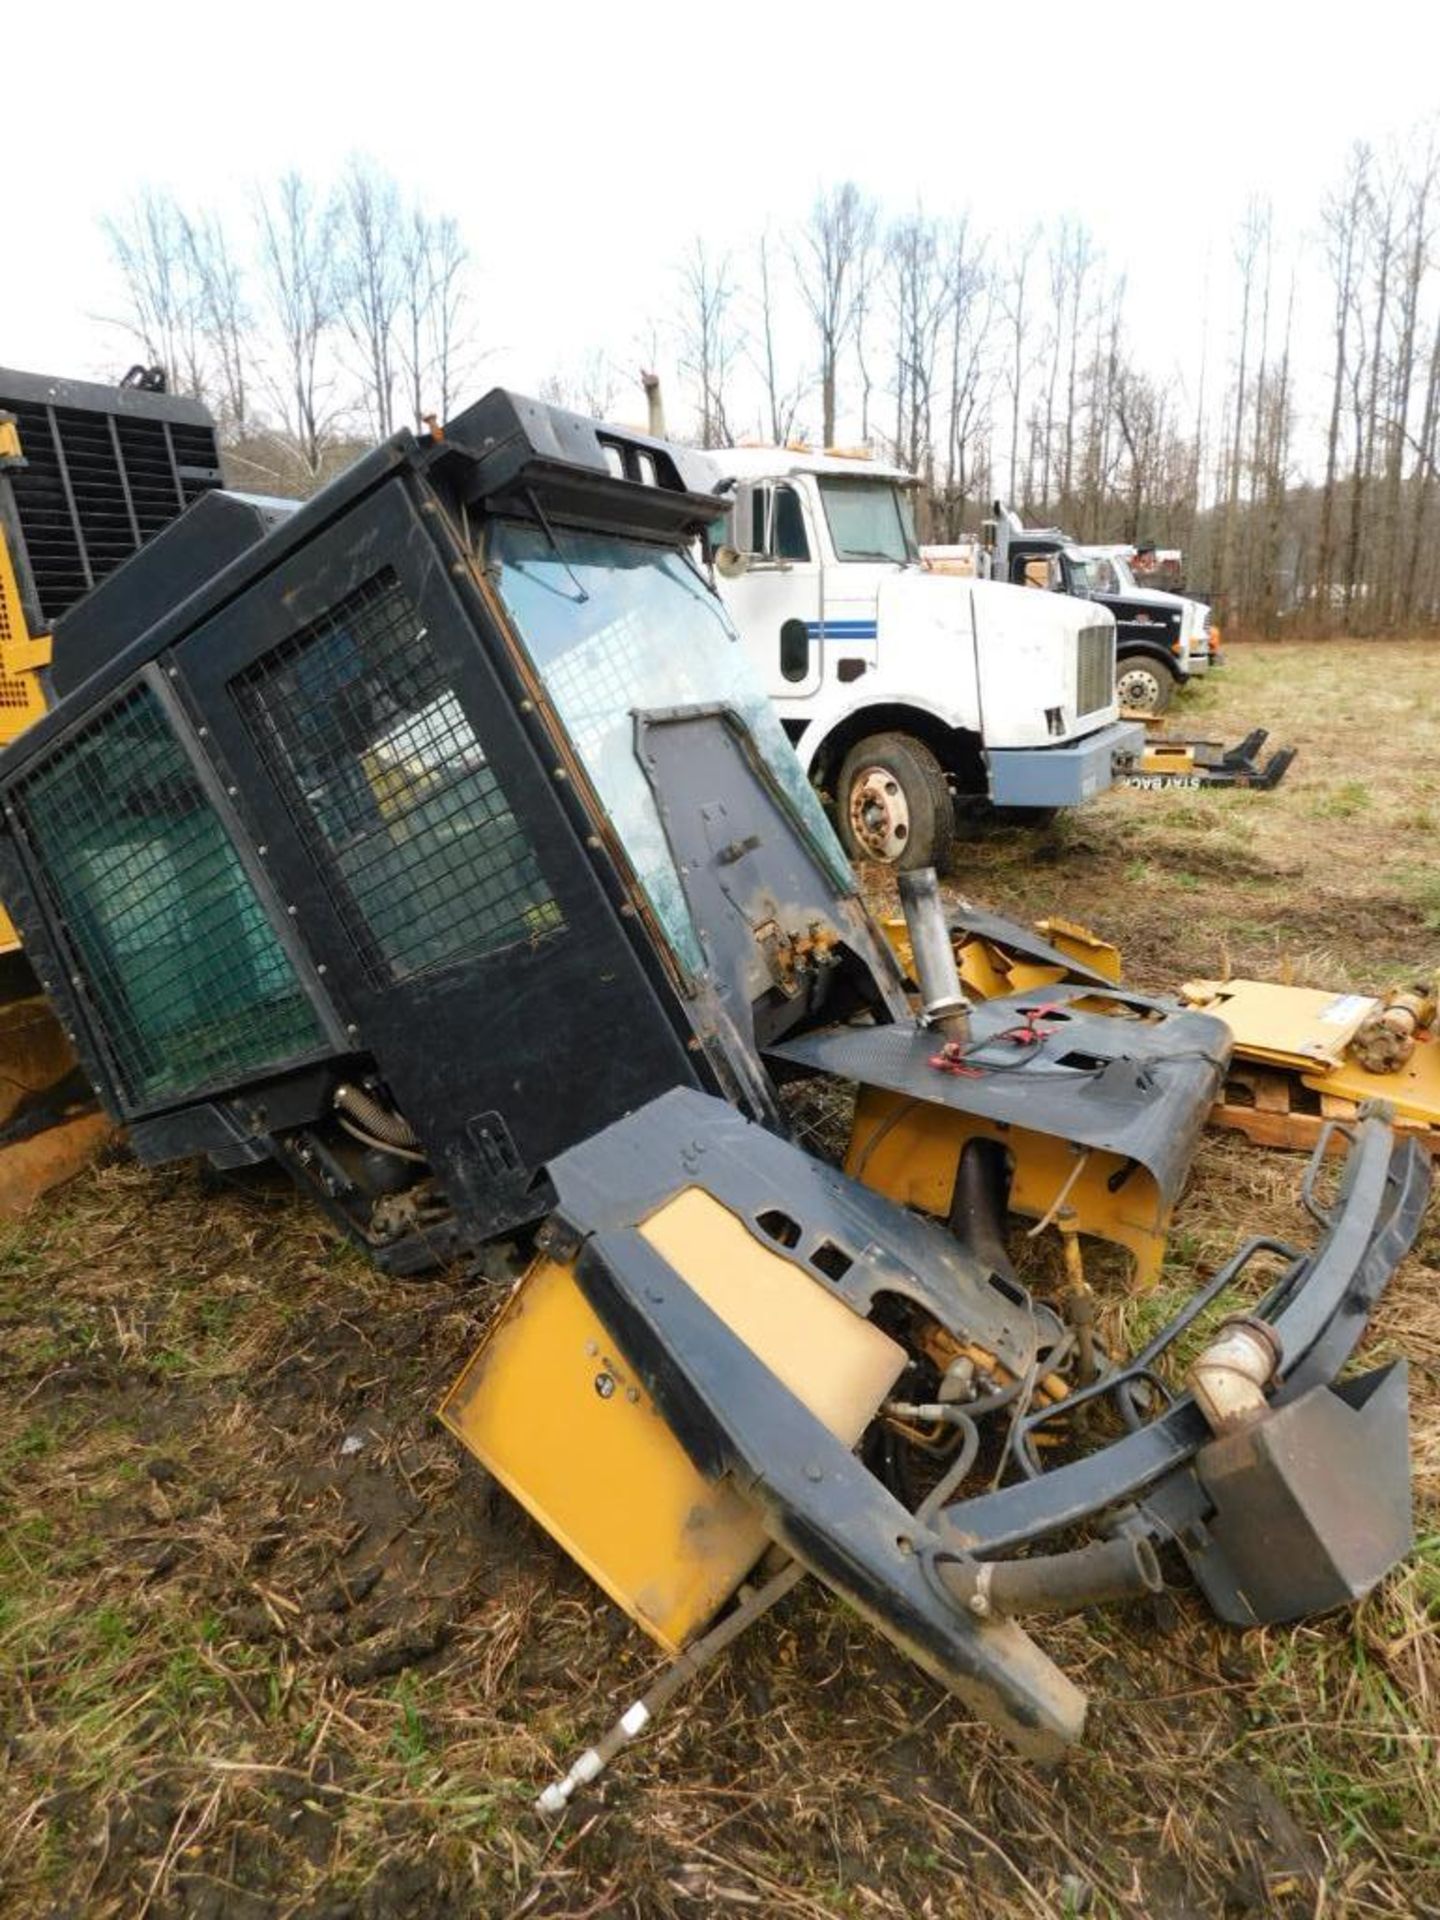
1142 685
893 804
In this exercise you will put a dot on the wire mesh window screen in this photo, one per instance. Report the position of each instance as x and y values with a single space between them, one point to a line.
390 789
184 969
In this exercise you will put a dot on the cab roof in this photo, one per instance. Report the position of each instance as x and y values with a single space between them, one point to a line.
774 463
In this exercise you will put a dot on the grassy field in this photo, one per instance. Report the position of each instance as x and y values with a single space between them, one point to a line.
270 1648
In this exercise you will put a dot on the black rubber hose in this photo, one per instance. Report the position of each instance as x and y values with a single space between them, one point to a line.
1107 1570
980 1203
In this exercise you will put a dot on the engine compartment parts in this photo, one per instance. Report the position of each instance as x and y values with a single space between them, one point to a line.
721 1349
1304 1057
1096 1097
1168 761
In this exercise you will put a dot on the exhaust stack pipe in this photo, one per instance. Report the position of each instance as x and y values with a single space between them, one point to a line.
941 995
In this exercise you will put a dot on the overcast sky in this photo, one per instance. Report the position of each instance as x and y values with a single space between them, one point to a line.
582 146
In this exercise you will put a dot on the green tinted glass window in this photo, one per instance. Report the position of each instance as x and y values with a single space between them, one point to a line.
183 968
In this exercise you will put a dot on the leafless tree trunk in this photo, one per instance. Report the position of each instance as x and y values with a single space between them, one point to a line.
1014 305
297 258
1342 219
707 337
368 284
150 244
432 261
224 319
830 257
782 402
1247 252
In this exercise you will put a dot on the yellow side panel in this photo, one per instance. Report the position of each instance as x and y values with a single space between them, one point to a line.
834 1362
1414 1091
988 969
553 1409
1295 1027
1079 943
21 701
910 1151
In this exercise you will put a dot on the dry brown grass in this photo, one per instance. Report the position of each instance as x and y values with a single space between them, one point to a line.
246 1675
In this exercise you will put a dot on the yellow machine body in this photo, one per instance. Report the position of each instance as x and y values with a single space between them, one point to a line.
22 655
909 1150
34 1053
554 1410
989 969
1292 1072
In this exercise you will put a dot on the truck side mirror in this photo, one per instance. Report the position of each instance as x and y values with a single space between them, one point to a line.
730 563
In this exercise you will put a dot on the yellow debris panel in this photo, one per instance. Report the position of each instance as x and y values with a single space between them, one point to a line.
553 1408
1296 1027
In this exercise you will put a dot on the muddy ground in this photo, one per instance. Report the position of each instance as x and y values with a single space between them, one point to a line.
270 1647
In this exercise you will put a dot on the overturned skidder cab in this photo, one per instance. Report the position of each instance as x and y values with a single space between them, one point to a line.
437 844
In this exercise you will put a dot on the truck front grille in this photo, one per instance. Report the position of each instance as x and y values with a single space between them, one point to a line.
1095 675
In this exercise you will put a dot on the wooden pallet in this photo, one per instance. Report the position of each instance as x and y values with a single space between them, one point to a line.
1276 1109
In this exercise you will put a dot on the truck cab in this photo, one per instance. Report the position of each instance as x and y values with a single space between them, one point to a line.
903 688
1162 639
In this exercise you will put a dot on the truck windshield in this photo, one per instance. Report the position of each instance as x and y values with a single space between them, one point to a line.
617 628
869 519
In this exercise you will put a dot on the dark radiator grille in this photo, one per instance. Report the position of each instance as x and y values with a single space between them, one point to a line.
390 789
185 974
98 482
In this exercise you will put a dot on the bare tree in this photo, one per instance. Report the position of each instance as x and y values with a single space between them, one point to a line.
368 283
151 248
430 340
782 399
1341 218
968 306
1014 305
223 318
920 291
297 261
1247 252
830 256
590 385
708 340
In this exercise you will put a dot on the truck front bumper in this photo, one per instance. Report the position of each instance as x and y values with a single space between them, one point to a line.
1065 775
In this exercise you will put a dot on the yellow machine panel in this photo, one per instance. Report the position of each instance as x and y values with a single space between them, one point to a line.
552 1408
783 1316
21 655
909 1150
1288 1026
988 969
1292 1071
1081 944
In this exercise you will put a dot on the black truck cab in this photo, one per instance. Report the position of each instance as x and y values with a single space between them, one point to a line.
1152 628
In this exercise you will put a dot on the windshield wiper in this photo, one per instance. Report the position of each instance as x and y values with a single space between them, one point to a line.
555 547
865 553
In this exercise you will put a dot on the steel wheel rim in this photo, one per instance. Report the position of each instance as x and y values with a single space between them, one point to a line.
1139 687
879 813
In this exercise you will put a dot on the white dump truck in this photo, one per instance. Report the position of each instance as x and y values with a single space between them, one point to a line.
904 688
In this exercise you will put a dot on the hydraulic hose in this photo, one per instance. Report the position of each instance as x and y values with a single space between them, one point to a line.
1106 1570
389 1128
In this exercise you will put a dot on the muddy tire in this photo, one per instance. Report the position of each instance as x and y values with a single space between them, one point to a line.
1142 684
893 805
